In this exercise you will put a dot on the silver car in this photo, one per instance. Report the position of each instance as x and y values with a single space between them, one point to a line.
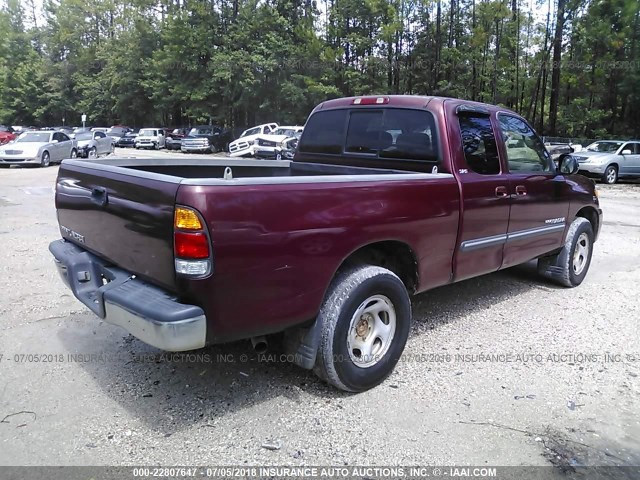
94 144
610 160
40 148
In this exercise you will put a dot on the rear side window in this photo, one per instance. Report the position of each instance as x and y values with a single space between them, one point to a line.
402 134
479 144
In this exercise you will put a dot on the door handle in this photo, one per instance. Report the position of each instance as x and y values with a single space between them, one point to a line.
521 190
501 192
99 196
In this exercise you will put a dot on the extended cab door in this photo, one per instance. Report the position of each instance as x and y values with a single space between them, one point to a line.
539 194
484 191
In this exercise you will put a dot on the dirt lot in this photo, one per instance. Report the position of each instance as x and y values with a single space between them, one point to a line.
506 369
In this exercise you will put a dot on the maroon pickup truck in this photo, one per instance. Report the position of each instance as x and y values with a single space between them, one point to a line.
386 197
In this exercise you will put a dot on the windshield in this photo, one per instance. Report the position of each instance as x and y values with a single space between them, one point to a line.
289 132
200 131
84 136
117 131
604 146
149 133
39 137
251 131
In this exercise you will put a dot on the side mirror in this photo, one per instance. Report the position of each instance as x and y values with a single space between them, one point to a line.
626 152
568 165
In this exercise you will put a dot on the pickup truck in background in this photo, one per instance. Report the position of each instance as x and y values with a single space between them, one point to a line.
386 197
206 139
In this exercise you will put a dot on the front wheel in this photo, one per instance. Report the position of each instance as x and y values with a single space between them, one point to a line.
366 317
93 152
74 153
45 160
569 267
610 175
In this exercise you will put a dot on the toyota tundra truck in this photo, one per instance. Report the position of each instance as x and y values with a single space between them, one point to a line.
386 196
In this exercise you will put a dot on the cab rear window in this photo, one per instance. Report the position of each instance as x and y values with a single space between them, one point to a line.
389 133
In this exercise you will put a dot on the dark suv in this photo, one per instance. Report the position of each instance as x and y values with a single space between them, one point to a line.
206 139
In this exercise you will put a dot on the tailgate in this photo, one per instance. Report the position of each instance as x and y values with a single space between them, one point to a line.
123 216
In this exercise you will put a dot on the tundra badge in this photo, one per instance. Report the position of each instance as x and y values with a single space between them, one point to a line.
70 233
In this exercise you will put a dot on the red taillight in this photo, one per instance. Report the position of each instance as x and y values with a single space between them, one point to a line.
191 245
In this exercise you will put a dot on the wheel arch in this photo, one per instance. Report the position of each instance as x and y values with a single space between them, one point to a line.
591 214
394 255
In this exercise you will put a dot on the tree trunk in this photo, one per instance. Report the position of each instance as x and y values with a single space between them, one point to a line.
474 68
438 44
555 74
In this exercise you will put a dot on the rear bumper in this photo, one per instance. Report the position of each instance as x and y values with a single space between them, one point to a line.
145 311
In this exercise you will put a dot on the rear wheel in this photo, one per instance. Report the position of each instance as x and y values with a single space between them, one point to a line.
610 175
366 318
45 160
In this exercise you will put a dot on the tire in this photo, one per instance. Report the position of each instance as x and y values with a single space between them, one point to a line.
74 153
92 153
348 309
610 175
46 159
570 266
156 146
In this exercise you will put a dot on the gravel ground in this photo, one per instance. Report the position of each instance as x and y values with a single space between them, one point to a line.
506 369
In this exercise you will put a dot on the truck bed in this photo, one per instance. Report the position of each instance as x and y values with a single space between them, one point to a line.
278 229
214 169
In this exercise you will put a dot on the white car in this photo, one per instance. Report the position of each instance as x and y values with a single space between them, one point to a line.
40 148
94 144
275 144
242 147
150 138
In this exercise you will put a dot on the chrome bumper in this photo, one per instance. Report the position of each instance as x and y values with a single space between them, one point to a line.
145 311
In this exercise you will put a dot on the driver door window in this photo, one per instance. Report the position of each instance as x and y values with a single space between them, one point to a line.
525 152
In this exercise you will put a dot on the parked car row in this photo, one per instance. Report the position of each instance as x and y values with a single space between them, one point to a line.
38 147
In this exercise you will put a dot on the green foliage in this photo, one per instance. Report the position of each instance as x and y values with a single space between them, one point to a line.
239 62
